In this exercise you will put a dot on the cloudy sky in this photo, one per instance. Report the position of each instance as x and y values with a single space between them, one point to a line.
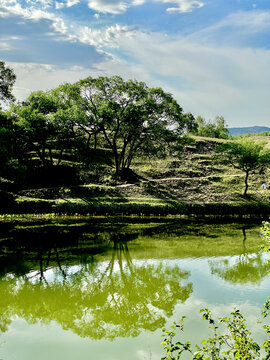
212 55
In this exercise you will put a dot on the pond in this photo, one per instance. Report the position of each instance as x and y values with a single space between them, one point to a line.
103 288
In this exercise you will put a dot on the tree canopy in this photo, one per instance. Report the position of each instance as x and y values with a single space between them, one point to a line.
131 118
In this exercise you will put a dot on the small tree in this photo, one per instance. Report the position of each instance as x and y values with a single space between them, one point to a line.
246 155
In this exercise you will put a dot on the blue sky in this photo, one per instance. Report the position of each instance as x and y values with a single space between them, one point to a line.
212 55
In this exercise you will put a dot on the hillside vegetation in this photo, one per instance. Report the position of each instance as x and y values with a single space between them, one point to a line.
195 182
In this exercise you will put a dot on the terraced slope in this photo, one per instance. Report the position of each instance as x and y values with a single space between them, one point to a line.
195 178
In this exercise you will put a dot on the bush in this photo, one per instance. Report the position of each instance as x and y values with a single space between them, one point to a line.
235 343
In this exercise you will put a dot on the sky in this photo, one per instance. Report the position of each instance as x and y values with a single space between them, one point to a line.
213 56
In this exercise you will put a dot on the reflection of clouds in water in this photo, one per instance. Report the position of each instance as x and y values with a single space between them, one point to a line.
193 305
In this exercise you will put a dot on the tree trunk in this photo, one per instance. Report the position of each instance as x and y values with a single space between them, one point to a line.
60 157
88 141
246 183
51 156
95 143
116 161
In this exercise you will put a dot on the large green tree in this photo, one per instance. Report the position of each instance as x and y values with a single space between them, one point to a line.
130 117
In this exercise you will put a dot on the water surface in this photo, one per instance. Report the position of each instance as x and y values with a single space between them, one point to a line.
104 288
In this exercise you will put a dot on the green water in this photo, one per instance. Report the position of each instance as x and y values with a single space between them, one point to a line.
104 288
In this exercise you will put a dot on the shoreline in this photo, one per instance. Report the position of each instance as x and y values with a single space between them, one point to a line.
254 210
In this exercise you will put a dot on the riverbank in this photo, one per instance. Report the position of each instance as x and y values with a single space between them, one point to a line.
250 209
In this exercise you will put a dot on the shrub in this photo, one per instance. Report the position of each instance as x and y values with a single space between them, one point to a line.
235 342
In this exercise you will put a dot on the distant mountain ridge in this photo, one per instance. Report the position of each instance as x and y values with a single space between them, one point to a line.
247 130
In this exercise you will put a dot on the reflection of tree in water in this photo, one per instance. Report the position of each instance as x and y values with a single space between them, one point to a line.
97 300
246 269
243 269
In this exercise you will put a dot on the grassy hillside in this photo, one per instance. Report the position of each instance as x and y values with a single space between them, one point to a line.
194 183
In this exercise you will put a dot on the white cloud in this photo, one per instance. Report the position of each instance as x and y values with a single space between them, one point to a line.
237 29
120 6
33 14
10 38
138 2
72 2
248 20
104 6
72 32
245 21
59 5
183 6
44 3
4 46
105 37
108 6
68 3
